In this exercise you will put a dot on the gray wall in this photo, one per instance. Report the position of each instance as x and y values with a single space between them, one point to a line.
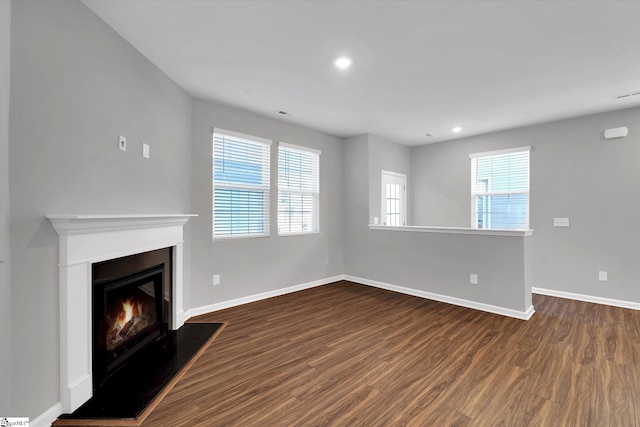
433 186
390 156
252 266
428 262
5 289
356 203
76 85
575 173
441 264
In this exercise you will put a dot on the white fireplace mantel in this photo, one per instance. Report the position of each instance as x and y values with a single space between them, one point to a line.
84 240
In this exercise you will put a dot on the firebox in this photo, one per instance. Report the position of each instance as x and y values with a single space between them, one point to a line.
129 306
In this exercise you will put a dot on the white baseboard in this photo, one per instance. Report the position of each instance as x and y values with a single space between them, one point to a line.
587 298
197 311
47 417
523 315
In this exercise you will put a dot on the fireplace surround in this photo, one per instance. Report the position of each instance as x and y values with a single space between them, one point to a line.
88 239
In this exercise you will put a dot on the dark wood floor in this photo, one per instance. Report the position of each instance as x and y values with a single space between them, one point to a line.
347 354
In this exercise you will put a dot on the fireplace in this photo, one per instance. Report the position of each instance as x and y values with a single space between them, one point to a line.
131 296
87 241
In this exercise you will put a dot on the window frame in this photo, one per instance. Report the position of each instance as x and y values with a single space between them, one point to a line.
265 188
315 194
485 154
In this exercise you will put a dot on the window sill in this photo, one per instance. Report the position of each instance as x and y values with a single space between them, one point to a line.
302 233
239 237
452 230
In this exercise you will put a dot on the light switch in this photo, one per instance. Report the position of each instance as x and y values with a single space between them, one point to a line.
560 222
145 150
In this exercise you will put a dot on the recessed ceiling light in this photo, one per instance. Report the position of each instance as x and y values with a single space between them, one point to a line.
456 129
342 62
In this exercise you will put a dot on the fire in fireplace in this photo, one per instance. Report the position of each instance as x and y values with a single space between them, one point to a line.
129 305
130 310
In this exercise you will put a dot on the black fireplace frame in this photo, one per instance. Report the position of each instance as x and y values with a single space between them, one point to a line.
107 362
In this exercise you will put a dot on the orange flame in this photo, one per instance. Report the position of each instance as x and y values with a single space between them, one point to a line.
129 310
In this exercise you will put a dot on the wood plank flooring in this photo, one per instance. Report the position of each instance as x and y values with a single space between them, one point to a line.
348 354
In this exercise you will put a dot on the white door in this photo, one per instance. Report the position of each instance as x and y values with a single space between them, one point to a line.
394 199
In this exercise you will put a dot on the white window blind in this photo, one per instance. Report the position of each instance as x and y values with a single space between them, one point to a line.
500 189
241 165
298 189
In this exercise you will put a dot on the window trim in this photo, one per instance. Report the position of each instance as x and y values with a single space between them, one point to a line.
501 152
493 153
316 195
266 189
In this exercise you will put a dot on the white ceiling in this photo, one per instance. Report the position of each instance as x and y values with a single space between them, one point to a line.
418 66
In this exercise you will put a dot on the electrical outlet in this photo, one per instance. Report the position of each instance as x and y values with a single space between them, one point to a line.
561 222
216 279
145 150
602 276
122 143
473 279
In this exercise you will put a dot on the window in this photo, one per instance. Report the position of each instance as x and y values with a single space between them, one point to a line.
394 188
240 185
298 189
500 189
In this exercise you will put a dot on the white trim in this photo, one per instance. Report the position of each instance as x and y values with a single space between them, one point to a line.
238 236
299 148
68 225
500 152
242 187
587 298
47 417
398 174
197 311
298 233
523 315
454 230
246 136
498 193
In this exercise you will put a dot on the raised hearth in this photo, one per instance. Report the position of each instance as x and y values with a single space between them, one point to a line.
89 239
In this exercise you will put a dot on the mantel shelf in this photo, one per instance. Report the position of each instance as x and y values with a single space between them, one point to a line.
70 224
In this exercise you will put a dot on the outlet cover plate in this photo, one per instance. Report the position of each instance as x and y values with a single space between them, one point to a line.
122 143
561 222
